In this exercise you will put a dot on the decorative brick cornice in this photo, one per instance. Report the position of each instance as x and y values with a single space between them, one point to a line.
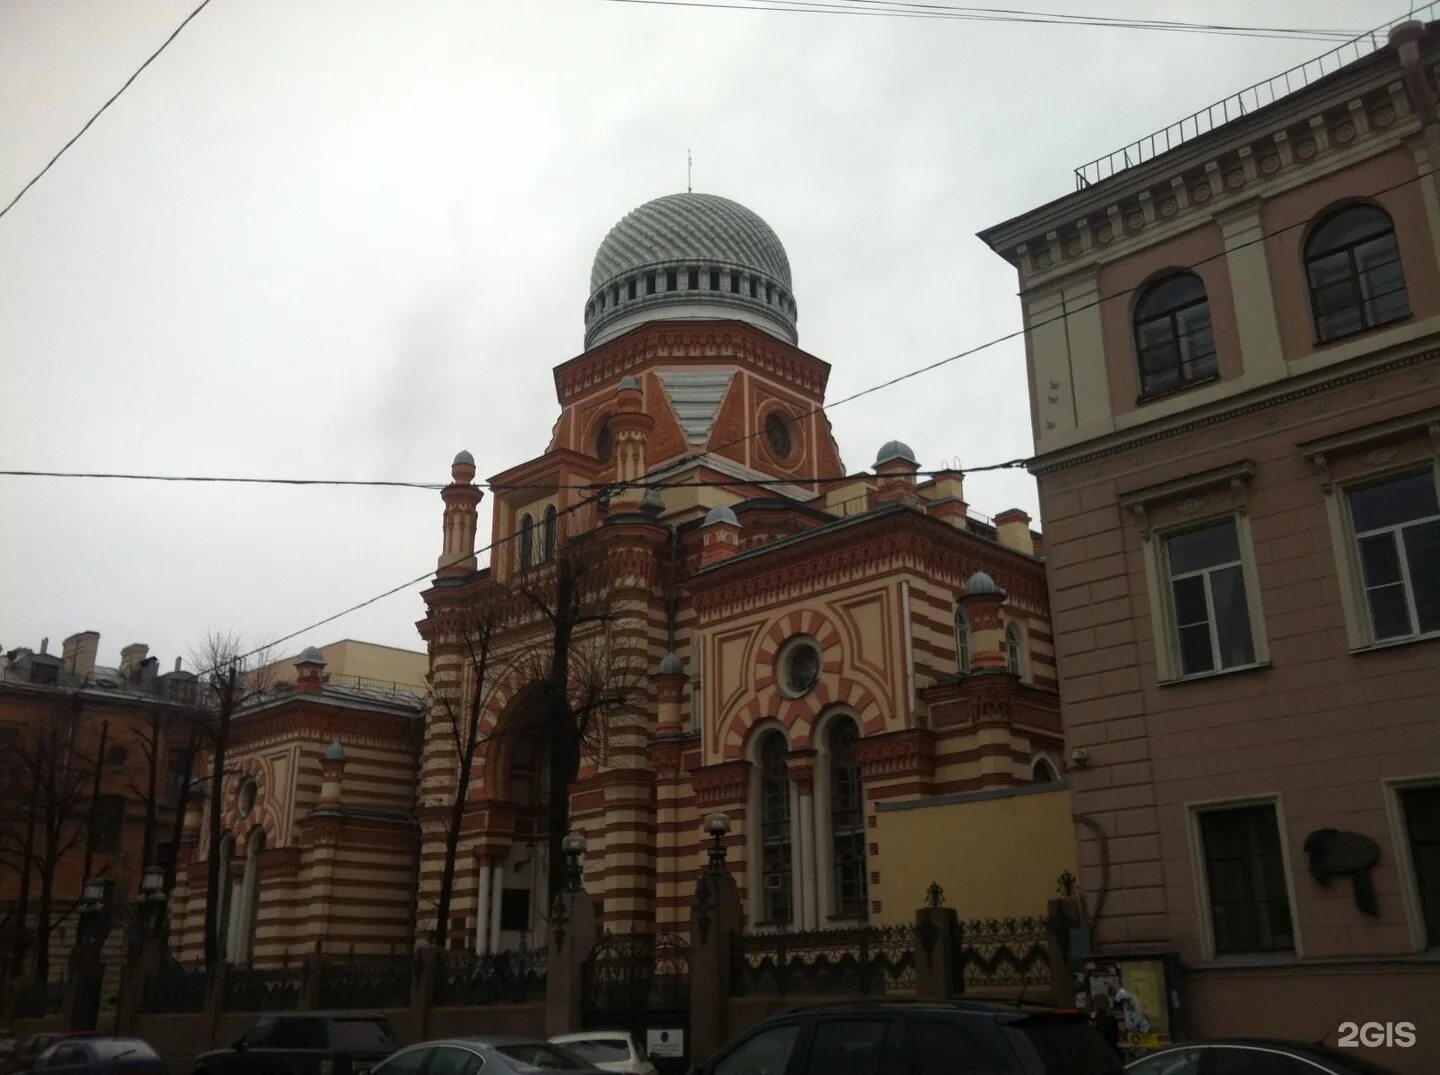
673 342
908 753
725 784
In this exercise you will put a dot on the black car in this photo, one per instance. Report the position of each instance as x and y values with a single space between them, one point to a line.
1253 1056
917 1038
21 1059
99 1056
312 1043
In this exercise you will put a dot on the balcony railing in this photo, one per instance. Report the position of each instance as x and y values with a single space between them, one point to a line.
1246 101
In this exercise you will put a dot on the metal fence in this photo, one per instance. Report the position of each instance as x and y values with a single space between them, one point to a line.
1005 953
175 989
264 989
381 982
866 960
1245 101
498 978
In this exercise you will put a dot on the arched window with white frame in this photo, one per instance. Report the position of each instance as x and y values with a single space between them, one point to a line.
962 639
1015 649
1043 771
849 890
527 540
775 865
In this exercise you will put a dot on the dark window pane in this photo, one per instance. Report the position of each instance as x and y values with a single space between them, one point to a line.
1245 879
1206 547
1422 829
543 1055
1422 558
1181 289
1356 278
362 1035
1380 560
939 1048
1348 226
1389 613
775 828
767 1053
1190 604
1401 500
848 1048
1232 617
452 1061
515 909
406 1063
1196 654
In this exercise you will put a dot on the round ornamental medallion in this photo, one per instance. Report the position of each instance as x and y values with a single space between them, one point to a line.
1270 165
1345 133
1305 149
1200 193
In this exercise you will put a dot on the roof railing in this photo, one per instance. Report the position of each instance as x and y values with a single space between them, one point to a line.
1248 100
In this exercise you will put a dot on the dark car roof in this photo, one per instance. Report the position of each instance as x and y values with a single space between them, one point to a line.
1005 1011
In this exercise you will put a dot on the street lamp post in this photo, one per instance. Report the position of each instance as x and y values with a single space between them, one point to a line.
574 846
153 901
717 827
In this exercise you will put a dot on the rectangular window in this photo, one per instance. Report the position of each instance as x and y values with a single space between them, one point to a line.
735 283
107 824
697 691
1208 601
692 279
649 283
515 910
1245 880
176 774
671 280
1397 536
630 288
714 280
1421 808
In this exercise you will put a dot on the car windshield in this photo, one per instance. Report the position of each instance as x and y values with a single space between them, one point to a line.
1068 1045
600 1050
362 1036
542 1056
113 1048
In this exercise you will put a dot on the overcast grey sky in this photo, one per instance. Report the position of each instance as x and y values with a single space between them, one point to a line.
335 238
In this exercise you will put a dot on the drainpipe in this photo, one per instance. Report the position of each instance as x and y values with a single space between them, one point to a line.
670 599
908 654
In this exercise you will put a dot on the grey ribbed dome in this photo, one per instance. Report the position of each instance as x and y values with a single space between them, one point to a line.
981 583
671 665
464 457
731 251
310 655
335 752
720 514
894 449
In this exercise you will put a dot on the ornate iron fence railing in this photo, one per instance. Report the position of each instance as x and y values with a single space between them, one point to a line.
1005 953
498 978
859 959
264 989
381 982
175 990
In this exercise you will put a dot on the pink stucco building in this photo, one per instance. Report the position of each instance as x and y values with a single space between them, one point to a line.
1233 348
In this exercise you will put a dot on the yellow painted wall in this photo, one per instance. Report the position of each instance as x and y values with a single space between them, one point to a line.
994 857
388 664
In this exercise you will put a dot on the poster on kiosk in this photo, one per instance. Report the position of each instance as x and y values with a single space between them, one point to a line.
1144 994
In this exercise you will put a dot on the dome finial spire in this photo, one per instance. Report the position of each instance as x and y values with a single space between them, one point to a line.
689 166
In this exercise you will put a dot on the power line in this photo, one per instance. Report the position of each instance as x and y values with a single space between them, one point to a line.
896 9
616 487
107 104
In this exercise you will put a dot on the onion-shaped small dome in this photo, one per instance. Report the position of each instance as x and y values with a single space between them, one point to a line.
310 655
671 665
464 457
628 381
720 513
895 449
335 752
981 583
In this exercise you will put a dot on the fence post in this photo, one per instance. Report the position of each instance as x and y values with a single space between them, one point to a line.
938 970
423 988
142 965
715 927
865 961
312 967
570 946
215 1001
1062 915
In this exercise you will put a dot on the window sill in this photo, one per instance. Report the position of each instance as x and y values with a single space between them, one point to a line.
1393 643
1199 677
1253 959
1154 397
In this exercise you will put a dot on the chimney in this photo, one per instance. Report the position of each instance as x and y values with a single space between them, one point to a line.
177 664
79 653
310 671
131 658
947 498
1012 529
45 645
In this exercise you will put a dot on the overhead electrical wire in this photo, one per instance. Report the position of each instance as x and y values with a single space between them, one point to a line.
113 97
615 487
903 10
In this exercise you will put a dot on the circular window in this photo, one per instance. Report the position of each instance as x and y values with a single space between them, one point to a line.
604 442
777 435
799 667
247 797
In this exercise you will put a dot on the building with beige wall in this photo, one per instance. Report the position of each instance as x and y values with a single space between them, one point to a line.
1233 349
353 663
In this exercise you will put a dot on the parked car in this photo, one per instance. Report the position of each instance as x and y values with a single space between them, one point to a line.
493 1055
921 1037
609 1050
312 1043
95 1055
1253 1056
23 1058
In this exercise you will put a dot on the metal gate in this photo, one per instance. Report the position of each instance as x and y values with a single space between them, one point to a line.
640 982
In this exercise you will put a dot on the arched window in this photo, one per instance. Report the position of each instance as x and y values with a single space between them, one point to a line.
1173 340
604 442
962 639
527 540
777 906
1041 771
249 904
847 820
529 776
222 911
1014 650
550 532
1353 266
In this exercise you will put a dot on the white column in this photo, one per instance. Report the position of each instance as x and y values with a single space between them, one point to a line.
498 886
482 909
808 916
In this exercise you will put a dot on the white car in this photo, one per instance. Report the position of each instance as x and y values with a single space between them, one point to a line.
608 1050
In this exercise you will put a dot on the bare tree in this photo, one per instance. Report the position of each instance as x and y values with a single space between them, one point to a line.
462 719
232 675
589 680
